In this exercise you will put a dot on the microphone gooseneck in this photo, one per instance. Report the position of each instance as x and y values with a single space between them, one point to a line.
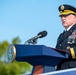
34 39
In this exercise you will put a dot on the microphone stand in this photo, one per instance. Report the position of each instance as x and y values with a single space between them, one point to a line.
34 39
31 41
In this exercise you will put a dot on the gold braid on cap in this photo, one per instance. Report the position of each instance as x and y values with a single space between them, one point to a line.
67 12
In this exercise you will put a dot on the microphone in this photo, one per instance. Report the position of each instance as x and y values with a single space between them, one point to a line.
39 35
42 34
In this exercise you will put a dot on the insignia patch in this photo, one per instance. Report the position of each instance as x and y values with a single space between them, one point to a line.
72 38
74 32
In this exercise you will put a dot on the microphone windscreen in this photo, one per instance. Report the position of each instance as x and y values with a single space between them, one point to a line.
43 34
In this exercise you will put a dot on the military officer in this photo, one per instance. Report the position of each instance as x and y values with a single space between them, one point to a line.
67 39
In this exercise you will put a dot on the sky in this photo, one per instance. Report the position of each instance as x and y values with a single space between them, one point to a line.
26 18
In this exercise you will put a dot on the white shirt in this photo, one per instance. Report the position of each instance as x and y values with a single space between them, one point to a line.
69 28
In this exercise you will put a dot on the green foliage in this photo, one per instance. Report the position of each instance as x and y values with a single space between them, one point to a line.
3 47
4 70
25 67
9 69
15 68
16 40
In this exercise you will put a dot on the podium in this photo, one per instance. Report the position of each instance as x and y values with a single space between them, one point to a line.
40 56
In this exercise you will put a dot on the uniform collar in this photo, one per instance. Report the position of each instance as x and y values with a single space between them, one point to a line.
68 33
69 27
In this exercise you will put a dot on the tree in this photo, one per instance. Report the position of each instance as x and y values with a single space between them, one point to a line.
14 68
3 47
16 40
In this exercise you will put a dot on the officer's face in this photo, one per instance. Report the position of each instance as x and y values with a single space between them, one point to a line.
68 20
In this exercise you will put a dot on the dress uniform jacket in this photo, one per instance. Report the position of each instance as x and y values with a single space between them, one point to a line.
65 41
